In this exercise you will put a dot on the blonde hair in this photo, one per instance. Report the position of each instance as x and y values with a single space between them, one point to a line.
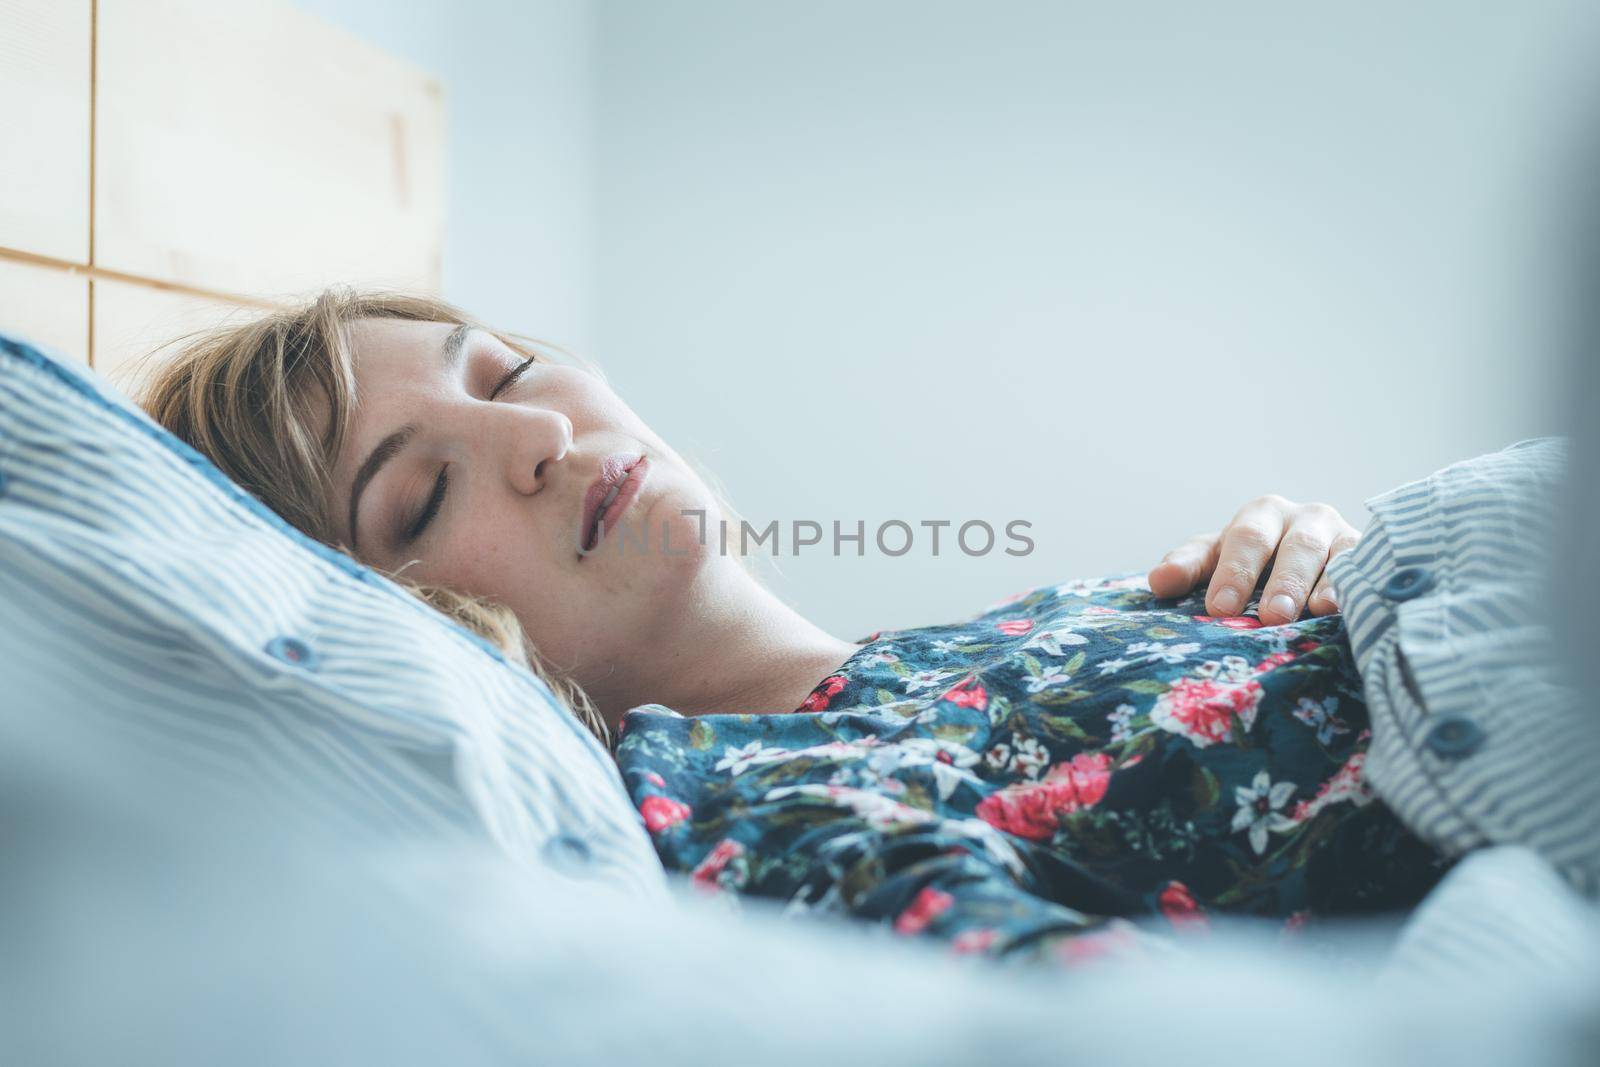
250 397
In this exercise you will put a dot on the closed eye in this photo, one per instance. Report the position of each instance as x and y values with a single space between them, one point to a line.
431 508
511 379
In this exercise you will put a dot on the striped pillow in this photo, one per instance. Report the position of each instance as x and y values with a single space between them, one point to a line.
141 586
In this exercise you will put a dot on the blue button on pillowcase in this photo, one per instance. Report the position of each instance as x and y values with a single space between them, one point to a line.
138 583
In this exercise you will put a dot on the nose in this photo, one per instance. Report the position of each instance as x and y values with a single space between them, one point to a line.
536 440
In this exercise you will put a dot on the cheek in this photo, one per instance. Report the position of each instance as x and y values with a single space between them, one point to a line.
496 556
504 565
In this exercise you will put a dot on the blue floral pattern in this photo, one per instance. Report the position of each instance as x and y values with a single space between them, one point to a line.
1083 767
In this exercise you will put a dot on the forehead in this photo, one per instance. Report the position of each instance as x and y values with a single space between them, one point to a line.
395 362
383 350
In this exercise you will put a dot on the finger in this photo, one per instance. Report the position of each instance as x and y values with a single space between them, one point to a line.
1185 566
1347 539
1247 544
1324 600
1302 554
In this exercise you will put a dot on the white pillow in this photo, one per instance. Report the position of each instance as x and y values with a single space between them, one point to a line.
138 584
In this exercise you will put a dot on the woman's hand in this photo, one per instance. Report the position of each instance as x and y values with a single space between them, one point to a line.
1303 536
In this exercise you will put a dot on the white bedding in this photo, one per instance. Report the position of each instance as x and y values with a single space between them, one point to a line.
147 916
147 920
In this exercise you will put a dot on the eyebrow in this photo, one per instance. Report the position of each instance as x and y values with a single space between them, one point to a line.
450 357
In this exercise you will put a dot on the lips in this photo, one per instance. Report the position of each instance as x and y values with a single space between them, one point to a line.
609 494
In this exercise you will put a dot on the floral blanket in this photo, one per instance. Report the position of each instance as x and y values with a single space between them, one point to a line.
1075 770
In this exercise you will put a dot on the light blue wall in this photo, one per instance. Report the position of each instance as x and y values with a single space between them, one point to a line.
519 247
1115 268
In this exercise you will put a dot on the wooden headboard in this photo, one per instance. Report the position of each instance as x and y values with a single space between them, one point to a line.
174 162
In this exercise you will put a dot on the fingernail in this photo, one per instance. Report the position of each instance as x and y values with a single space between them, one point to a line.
1228 601
1282 605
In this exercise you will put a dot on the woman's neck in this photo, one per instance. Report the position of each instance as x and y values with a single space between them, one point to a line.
735 649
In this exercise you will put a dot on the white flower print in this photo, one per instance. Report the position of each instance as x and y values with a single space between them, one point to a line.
946 778
1321 718
931 749
948 766
920 680
1112 666
886 760
1029 757
1121 722
739 760
1054 642
947 760
1094 618
1161 651
998 757
1047 677
1230 669
878 811
912 711
862 777
1081 587
1260 809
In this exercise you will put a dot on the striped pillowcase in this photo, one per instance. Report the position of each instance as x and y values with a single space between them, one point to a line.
140 586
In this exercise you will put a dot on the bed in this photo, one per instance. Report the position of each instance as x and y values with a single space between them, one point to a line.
263 806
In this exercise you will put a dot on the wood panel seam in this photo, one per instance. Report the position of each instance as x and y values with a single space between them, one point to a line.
16 255
94 86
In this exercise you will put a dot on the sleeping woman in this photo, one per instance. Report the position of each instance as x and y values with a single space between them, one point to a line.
1052 776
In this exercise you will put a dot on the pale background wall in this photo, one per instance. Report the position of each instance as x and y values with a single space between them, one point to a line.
1111 268
518 77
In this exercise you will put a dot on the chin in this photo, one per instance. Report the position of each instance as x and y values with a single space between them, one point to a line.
685 541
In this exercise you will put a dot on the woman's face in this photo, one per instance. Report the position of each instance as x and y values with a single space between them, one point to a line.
461 473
